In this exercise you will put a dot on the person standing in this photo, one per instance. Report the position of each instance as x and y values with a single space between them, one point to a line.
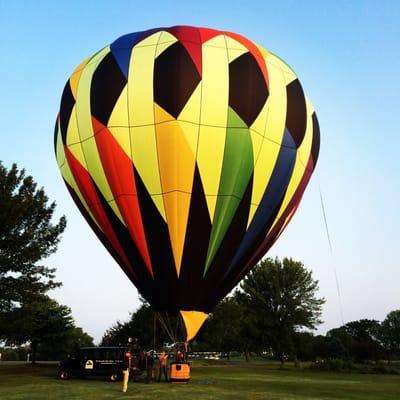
179 357
127 364
135 346
163 366
149 366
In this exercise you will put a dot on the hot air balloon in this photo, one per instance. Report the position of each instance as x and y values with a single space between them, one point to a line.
187 150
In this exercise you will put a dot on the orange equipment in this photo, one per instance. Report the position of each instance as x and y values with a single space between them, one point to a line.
180 372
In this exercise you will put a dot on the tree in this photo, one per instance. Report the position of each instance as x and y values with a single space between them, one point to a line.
390 333
280 299
39 322
363 329
73 339
48 328
338 344
335 348
359 339
142 323
304 345
222 331
27 236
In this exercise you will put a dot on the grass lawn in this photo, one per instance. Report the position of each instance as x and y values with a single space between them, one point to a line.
211 380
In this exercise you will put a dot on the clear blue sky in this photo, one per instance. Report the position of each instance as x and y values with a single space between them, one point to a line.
346 55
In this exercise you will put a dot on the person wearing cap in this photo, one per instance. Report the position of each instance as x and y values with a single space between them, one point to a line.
127 364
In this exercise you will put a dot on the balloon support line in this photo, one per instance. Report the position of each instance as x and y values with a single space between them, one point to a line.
164 326
331 251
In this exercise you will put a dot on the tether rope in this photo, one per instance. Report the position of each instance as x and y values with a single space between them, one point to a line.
331 250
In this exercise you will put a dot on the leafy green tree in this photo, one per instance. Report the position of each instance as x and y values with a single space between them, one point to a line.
360 339
140 325
279 299
222 331
304 345
254 337
69 343
363 329
390 333
27 236
143 324
41 321
338 344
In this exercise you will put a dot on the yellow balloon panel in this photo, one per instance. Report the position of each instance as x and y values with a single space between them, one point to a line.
176 149
304 150
192 110
140 98
177 210
275 116
72 130
73 139
276 105
83 96
210 155
165 40
145 159
264 166
260 122
60 155
303 153
95 168
120 115
215 84
74 79
193 321
161 116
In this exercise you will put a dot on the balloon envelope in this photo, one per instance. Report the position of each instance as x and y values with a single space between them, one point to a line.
187 150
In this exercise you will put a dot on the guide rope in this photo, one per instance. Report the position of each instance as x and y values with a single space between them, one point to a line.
331 250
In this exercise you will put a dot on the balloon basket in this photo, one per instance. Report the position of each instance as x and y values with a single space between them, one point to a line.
180 372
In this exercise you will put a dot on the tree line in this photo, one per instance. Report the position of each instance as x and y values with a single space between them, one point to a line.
273 314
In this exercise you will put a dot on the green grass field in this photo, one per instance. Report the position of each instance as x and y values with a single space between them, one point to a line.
213 380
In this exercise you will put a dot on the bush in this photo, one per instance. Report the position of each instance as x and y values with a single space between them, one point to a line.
13 354
382 367
337 365
332 364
